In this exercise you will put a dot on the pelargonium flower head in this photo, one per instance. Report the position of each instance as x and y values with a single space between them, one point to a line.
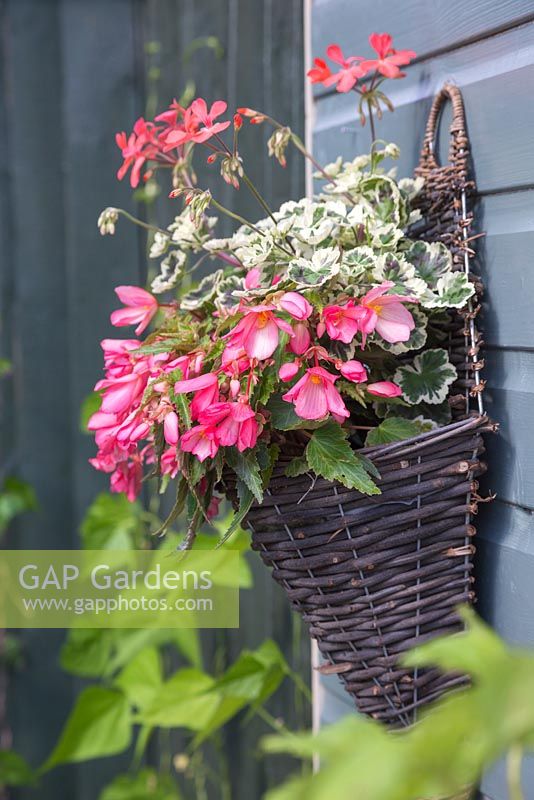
389 60
141 307
257 331
319 72
385 314
315 395
347 77
342 322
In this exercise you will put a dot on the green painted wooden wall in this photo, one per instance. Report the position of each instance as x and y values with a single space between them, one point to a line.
72 72
486 48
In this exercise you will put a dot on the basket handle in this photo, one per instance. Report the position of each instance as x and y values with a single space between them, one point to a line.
459 142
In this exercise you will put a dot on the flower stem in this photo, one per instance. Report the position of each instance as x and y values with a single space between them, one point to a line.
371 121
513 772
140 222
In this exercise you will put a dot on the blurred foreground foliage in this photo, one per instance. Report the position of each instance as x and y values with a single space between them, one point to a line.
447 750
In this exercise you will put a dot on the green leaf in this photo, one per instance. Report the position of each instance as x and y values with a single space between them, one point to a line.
267 458
90 406
329 454
141 679
393 429
86 652
184 701
99 725
246 498
427 379
323 265
111 523
144 785
16 497
283 416
15 771
204 292
453 290
246 467
431 261
5 367
297 466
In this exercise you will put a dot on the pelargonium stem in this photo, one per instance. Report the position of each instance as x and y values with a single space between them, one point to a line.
140 222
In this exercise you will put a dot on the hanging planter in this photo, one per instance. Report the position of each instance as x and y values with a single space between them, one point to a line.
374 576
321 376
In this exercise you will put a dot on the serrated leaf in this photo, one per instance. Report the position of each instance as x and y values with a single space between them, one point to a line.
393 429
267 458
204 292
432 260
246 467
283 416
298 466
329 454
427 379
323 265
453 290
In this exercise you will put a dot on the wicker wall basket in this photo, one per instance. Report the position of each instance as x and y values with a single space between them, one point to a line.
375 576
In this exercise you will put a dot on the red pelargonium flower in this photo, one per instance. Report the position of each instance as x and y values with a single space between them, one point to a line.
136 149
199 123
320 72
183 131
389 60
315 395
348 75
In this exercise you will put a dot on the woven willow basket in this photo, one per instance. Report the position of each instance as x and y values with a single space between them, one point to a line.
375 576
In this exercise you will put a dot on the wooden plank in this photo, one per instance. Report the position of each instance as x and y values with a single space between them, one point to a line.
39 695
423 27
108 102
505 263
509 400
500 67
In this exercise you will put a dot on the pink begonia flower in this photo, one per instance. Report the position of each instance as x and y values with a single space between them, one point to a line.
342 322
206 388
301 338
257 332
121 393
288 371
236 424
201 441
348 75
117 358
385 314
354 371
170 428
320 72
296 305
169 462
252 278
126 479
314 395
384 389
141 306
389 60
